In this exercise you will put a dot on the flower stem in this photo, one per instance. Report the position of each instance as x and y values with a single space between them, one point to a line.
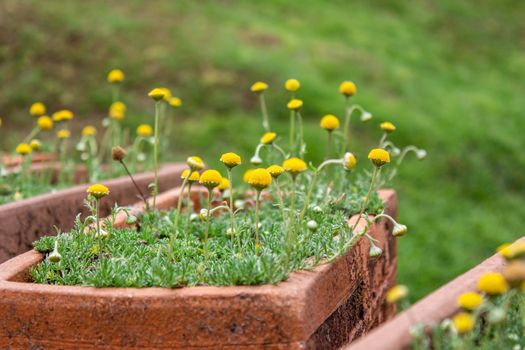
301 135
155 155
328 146
367 197
257 205
232 220
188 210
291 228
206 232
264 110
179 203
146 204
32 134
99 236
292 132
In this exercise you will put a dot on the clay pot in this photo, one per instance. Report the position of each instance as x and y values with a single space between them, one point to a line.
431 310
10 161
323 308
25 221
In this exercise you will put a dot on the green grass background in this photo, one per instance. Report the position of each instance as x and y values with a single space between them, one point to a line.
449 74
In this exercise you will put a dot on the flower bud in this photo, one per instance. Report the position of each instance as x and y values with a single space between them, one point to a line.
312 225
496 315
194 216
375 251
239 203
203 214
317 209
256 160
395 151
366 116
55 256
118 153
399 230
421 154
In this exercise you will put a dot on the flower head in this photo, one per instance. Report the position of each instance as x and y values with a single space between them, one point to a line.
231 159
89 130
275 170
260 179
115 76
463 322
349 161
399 230
195 163
175 102
35 145
295 104
292 85
118 153
256 160
514 273
470 301
258 87
379 157
329 122
167 93
98 191
247 175
157 94
294 166
62 115
23 149
193 177
144 130
387 127
210 178
268 138
396 294
44 123
347 88
117 110
224 185
63 134
492 283
513 251
37 109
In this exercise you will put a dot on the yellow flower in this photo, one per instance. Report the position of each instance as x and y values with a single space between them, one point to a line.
514 273
45 123
115 76
231 159
387 127
247 175
512 251
347 88
275 170
63 134
379 157
37 109
259 87
23 149
167 93
98 191
463 322
349 161
117 110
144 130
35 145
260 179
295 104
268 138
329 122
157 94
470 301
89 130
210 178
294 166
396 294
492 283
175 102
62 115
195 163
225 184
292 85
194 176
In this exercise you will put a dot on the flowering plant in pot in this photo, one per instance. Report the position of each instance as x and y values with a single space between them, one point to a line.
288 218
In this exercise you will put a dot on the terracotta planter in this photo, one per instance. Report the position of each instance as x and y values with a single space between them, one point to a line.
10 161
323 308
25 221
431 310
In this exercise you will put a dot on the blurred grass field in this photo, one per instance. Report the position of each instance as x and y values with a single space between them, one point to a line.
449 74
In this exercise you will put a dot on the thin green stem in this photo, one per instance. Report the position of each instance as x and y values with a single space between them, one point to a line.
328 145
179 203
146 204
301 135
257 205
232 219
264 110
208 216
155 155
32 134
291 227
188 208
367 197
292 132
280 150
382 140
99 236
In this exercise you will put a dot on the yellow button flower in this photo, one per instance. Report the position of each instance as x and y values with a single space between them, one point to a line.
396 294
463 322
224 185
387 127
167 93
514 273
144 130
210 178
89 130
258 87
512 251
35 145
45 123
275 170
379 157
193 177
157 94
349 161
117 110
247 175
37 109
62 115
329 122
260 179
292 85
295 104
268 138
195 163
175 102
470 301
231 159
115 76
23 149
294 166
347 88
492 283
63 134
98 191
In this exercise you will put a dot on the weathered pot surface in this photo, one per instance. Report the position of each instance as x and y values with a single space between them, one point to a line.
25 221
323 308
431 310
